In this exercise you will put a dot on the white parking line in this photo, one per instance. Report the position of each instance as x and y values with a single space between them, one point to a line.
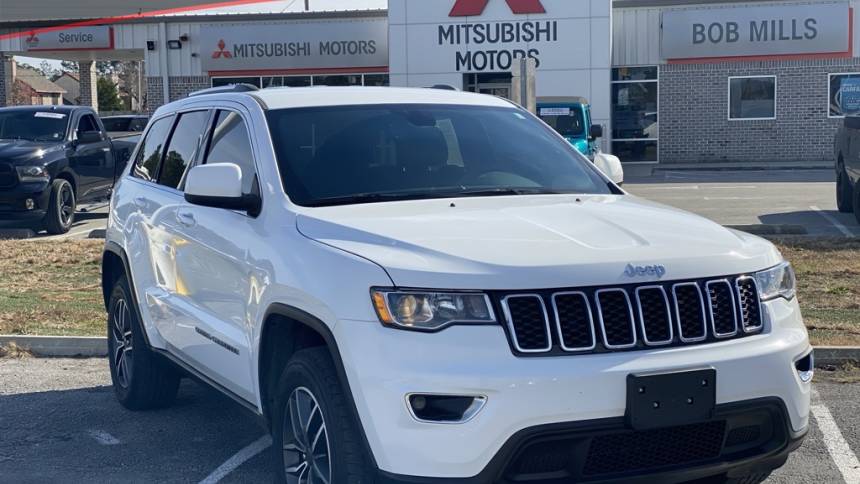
238 459
103 437
845 459
833 221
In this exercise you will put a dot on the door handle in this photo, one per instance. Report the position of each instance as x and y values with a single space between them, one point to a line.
186 219
140 202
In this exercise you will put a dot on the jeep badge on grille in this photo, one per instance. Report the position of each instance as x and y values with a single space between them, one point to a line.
642 271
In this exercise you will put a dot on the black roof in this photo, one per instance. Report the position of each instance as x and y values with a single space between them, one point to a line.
64 109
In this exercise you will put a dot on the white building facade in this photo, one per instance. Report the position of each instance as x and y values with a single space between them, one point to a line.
671 81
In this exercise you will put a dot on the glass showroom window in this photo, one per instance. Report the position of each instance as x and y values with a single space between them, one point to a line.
635 130
303 81
752 97
834 100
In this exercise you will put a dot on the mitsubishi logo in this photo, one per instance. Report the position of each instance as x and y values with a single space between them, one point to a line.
221 52
470 8
32 40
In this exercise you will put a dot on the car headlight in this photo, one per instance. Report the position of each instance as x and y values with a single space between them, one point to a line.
33 173
776 282
431 311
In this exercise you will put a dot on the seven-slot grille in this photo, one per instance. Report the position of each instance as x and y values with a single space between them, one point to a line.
630 317
8 177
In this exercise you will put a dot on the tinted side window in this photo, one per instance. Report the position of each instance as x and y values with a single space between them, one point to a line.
230 144
149 154
87 123
183 147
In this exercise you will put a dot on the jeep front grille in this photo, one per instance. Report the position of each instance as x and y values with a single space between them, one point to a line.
630 317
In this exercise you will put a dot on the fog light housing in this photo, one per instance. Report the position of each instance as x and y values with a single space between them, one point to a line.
805 367
444 409
30 204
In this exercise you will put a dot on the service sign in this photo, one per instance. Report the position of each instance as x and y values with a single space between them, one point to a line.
361 43
79 38
822 28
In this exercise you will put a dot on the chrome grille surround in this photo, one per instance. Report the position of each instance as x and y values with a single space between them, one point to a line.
600 317
595 320
734 306
749 328
558 322
683 338
507 311
642 324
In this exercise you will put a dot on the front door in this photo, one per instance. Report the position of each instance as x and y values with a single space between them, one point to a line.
218 271
92 161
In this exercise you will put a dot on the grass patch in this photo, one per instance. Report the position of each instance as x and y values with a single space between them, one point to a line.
828 284
51 288
54 288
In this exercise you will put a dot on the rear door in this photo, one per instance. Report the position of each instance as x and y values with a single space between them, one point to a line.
219 270
93 162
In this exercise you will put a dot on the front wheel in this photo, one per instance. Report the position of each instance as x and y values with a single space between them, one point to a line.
141 380
61 208
316 439
844 191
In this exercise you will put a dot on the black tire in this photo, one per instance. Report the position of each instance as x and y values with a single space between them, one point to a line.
61 207
844 191
312 371
141 379
857 205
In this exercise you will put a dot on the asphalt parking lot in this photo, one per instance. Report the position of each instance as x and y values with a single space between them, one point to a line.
62 424
793 199
90 222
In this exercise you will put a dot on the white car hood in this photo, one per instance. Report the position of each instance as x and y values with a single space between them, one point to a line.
534 242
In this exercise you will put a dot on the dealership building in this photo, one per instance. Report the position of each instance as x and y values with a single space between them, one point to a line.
672 81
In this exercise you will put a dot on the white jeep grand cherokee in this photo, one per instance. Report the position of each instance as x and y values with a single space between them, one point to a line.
422 285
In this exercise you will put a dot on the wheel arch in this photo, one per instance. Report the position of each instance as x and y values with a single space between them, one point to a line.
71 178
292 329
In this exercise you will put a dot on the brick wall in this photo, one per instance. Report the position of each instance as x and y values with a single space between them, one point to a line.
180 88
89 87
694 125
5 75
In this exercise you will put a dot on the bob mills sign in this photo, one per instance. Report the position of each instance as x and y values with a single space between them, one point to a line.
792 29
474 36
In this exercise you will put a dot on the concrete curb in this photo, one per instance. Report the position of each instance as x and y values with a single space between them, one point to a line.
836 355
59 346
95 346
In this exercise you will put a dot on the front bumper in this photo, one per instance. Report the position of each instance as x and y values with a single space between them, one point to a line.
13 208
744 439
384 365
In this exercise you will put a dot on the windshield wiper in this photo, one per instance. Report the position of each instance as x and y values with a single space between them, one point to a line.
366 198
498 192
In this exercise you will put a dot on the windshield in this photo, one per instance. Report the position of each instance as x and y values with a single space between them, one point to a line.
33 125
361 154
566 121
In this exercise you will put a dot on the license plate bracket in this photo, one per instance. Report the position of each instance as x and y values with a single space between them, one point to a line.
670 399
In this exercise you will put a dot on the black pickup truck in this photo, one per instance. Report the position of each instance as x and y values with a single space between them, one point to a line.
53 158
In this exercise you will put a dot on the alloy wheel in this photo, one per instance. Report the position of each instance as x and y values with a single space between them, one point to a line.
67 204
122 342
307 458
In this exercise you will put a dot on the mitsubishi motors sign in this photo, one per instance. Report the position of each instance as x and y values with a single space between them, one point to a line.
305 46
490 35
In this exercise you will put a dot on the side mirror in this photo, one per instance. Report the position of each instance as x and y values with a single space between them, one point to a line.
87 137
219 185
596 131
610 166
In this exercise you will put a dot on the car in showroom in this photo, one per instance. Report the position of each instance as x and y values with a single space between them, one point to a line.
425 285
53 159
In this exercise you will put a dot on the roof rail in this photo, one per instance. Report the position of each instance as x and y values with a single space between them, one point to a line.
225 89
444 87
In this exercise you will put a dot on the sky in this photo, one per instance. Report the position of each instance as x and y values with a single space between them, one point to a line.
276 6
